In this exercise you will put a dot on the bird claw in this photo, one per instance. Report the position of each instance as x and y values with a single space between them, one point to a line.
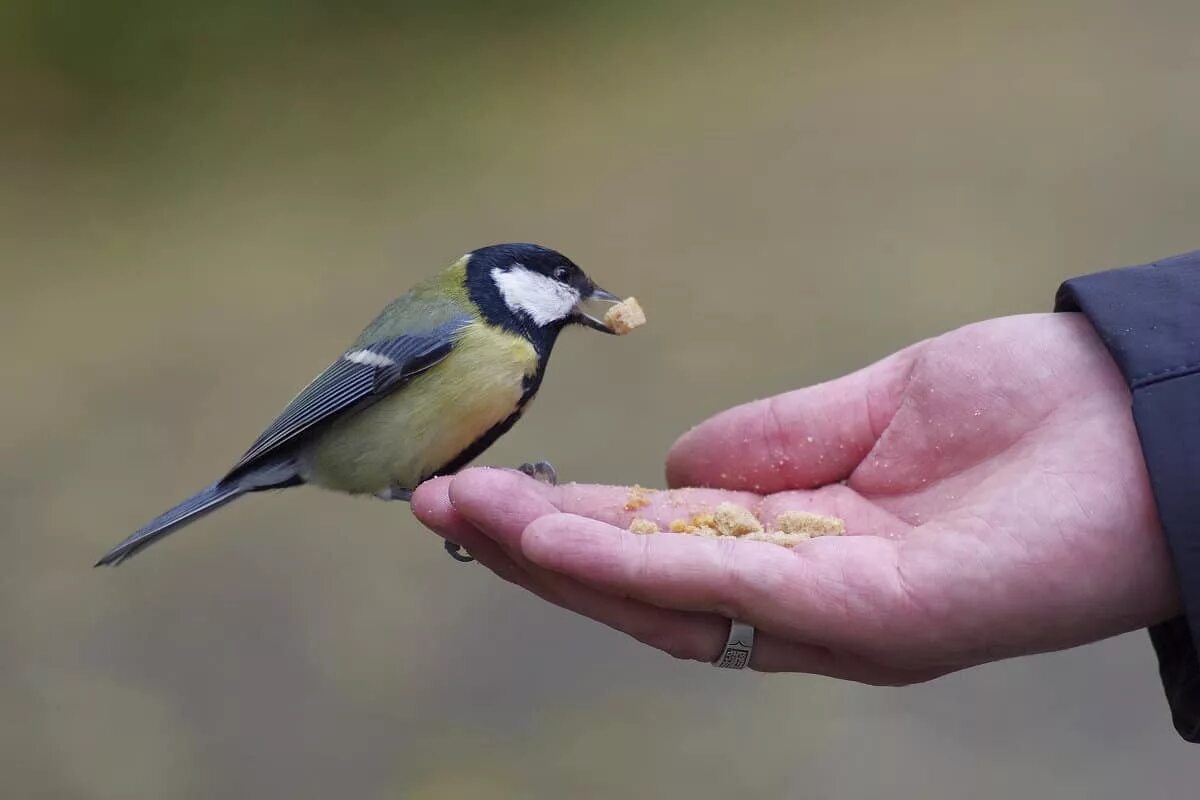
457 553
542 471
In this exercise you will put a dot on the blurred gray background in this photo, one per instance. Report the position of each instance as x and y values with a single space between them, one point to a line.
201 203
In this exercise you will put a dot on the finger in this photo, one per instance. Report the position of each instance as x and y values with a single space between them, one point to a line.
683 635
837 592
701 637
773 654
680 634
503 502
620 505
500 503
798 440
432 507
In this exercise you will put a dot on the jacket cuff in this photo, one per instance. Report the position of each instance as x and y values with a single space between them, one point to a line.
1149 319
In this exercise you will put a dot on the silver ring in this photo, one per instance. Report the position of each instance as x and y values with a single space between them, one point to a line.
738 647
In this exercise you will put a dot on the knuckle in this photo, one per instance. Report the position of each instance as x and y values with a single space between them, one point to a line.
748 579
638 559
733 583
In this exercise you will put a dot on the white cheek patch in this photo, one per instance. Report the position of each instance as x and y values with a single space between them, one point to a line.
541 298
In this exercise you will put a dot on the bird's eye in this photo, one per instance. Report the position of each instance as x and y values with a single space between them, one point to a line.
561 273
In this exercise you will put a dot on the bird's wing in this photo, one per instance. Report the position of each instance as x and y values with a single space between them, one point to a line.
361 376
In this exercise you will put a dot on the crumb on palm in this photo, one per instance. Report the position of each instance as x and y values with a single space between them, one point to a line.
641 525
730 520
809 523
734 520
638 498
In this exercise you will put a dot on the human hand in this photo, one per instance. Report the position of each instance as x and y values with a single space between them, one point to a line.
993 489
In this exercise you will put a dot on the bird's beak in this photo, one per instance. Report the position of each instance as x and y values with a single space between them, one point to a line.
595 319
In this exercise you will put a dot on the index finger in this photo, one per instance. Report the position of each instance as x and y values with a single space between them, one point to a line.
506 500
839 593
500 501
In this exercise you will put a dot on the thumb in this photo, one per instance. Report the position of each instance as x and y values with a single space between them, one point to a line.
798 440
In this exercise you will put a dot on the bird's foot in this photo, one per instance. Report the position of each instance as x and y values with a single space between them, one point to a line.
457 553
542 471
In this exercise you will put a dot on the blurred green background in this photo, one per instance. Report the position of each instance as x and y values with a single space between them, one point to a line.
200 203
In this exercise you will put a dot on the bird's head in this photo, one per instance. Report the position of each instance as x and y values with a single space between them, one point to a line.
533 289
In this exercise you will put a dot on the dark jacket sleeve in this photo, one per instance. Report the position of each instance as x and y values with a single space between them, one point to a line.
1149 318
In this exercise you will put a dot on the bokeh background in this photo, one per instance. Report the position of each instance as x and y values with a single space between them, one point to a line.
200 203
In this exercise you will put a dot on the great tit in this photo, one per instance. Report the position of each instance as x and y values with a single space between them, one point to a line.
431 383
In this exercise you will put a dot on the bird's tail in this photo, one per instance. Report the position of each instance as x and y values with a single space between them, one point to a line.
189 510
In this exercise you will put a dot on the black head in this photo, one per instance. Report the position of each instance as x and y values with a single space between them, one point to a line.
531 290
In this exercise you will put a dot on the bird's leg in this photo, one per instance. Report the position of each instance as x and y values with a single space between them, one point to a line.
395 492
542 471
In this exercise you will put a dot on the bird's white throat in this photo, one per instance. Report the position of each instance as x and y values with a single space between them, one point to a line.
540 297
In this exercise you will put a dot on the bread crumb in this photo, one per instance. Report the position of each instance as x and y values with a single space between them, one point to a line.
638 498
625 316
640 525
809 524
778 537
733 520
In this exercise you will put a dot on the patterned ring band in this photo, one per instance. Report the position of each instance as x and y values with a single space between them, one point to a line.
738 648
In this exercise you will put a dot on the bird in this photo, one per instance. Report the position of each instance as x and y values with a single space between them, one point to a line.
433 381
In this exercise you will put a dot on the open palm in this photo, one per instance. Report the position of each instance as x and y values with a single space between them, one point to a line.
990 478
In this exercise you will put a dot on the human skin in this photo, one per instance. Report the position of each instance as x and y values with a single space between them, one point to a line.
995 498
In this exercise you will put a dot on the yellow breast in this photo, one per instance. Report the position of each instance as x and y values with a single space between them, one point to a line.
429 421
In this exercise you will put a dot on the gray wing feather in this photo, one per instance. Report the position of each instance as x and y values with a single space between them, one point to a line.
348 386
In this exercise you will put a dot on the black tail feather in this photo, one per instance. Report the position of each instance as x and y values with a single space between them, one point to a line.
189 510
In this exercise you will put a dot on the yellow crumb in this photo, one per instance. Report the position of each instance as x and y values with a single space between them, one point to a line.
777 537
625 316
733 520
809 524
640 525
638 498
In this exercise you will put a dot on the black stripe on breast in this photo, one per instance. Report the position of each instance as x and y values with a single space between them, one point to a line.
476 448
531 384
